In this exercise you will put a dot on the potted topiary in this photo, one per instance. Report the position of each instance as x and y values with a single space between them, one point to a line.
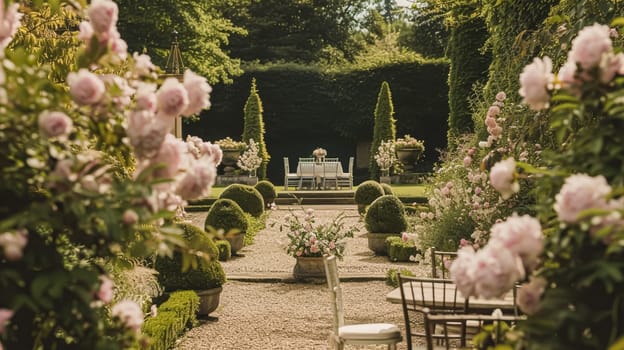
247 197
366 193
206 280
267 191
384 217
226 215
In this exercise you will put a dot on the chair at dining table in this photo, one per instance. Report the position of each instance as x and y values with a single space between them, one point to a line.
440 262
330 174
290 179
438 296
466 326
307 173
346 179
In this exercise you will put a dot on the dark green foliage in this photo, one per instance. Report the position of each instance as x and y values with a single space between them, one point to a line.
247 197
267 190
386 215
398 250
334 108
428 35
384 128
468 66
226 215
207 275
393 280
387 188
256 224
174 316
367 192
254 127
225 249
196 208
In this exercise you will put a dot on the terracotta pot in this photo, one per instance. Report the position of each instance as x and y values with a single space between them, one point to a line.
377 242
208 300
309 267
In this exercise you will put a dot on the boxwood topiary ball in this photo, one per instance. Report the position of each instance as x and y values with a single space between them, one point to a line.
387 189
206 276
247 197
386 215
226 214
225 249
267 191
367 192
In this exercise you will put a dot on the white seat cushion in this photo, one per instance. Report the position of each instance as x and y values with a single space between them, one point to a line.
369 331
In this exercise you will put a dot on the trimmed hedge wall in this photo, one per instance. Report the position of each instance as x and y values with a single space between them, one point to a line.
306 107
174 316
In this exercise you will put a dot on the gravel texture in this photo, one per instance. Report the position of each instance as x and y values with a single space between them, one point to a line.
266 314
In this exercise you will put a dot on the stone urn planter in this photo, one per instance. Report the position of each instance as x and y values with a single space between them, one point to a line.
230 157
236 241
377 242
208 300
409 157
309 267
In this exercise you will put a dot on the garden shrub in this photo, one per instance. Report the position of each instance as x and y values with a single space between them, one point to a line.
386 215
224 248
267 191
366 193
393 280
247 197
387 189
399 250
255 225
207 275
226 214
174 315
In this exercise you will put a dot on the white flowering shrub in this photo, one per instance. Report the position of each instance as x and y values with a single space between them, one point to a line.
386 156
250 160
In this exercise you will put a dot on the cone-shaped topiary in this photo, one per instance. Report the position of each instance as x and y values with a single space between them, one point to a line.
267 190
387 189
207 275
386 215
254 127
366 193
225 214
384 129
247 197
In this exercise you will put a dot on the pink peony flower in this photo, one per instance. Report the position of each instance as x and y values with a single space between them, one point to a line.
496 131
197 181
130 217
13 244
467 161
471 151
462 270
490 122
105 293
534 82
502 178
214 152
529 295
496 271
145 97
493 111
170 155
566 75
172 98
589 46
103 15
86 31
198 93
404 237
143 65
522 235
85 87
314 249
501 96
129 313
5 316
610 64
55 124
9 22
581 192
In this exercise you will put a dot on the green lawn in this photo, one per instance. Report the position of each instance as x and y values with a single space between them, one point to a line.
400 190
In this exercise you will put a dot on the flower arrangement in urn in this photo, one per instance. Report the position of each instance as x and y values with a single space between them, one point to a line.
228 144
409 142
308 239
319 153
249 160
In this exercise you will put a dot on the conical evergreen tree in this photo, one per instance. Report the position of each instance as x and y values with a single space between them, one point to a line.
254 127
384 126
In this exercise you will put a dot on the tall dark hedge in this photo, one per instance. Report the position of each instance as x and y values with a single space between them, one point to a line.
306 107
384 128
468 66
254 127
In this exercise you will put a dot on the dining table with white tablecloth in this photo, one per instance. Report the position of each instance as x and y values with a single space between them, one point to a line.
320 172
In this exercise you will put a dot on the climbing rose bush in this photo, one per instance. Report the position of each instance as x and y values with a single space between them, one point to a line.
90 173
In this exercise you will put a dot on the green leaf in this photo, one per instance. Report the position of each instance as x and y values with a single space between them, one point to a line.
618 22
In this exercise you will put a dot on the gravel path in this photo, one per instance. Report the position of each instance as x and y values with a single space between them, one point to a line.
280 315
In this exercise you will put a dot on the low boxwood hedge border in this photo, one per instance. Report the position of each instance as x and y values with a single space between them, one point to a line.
175 315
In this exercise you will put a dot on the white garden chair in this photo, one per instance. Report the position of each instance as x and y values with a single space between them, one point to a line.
290 179
346 179
358 334
330 174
